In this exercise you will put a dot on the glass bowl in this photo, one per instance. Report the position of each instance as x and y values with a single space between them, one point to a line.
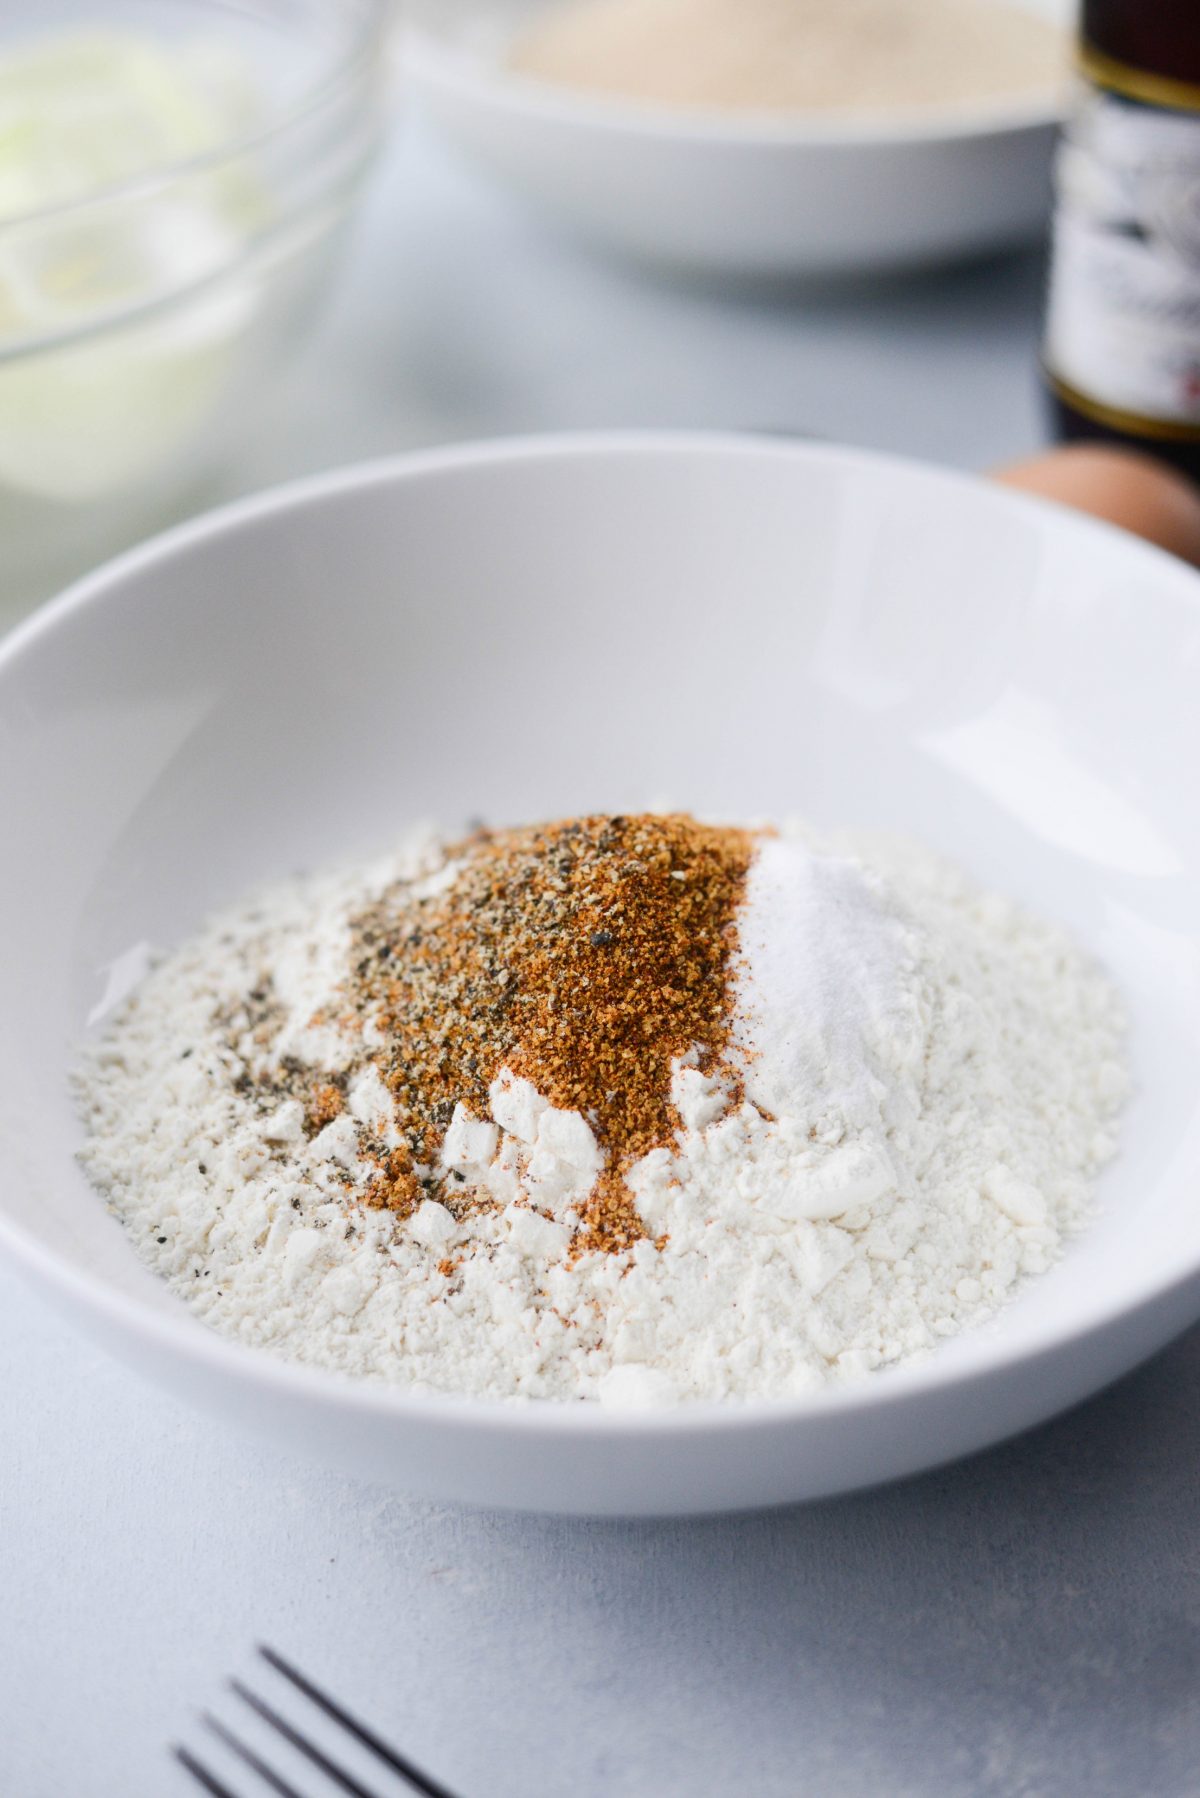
142 315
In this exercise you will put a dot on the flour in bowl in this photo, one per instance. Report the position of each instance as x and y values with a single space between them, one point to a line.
634 1109
802 56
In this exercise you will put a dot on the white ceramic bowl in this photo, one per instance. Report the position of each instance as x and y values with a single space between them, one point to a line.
729 194
739 626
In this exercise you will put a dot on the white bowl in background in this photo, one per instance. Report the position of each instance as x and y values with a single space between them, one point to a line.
737 194
742 627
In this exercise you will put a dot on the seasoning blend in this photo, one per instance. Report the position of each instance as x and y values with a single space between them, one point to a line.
1122 346
629 1109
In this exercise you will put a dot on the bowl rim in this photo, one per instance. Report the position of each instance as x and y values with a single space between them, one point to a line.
982 1352
363 42
438 61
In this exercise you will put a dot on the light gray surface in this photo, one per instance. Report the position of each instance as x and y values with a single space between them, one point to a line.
1028 1623
1025 1623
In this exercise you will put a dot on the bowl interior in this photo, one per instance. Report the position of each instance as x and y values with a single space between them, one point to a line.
736 627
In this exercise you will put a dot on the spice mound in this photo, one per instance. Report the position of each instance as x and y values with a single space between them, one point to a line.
637 1109
580 960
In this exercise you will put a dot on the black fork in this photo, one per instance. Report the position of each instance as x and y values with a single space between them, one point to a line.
414 1777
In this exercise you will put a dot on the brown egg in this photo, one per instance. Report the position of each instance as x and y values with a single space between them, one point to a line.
1123 486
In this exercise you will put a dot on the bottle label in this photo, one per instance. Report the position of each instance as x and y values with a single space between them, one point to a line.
1123 325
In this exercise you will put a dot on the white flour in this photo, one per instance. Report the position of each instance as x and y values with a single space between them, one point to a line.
940 1072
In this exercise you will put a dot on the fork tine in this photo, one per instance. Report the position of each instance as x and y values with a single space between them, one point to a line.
290 1734
201 1774
389 1756
276 1782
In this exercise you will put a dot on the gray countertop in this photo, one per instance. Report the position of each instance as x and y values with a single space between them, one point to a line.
1025 1623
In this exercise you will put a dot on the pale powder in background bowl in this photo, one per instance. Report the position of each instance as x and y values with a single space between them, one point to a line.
824 56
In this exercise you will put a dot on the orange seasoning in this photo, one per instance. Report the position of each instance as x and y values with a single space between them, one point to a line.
585 956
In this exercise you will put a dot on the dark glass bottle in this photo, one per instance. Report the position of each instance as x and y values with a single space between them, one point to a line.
1122 347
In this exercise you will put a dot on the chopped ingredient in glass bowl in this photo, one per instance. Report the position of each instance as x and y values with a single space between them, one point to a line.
97 117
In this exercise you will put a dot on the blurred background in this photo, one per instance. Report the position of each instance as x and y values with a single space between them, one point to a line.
241 243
